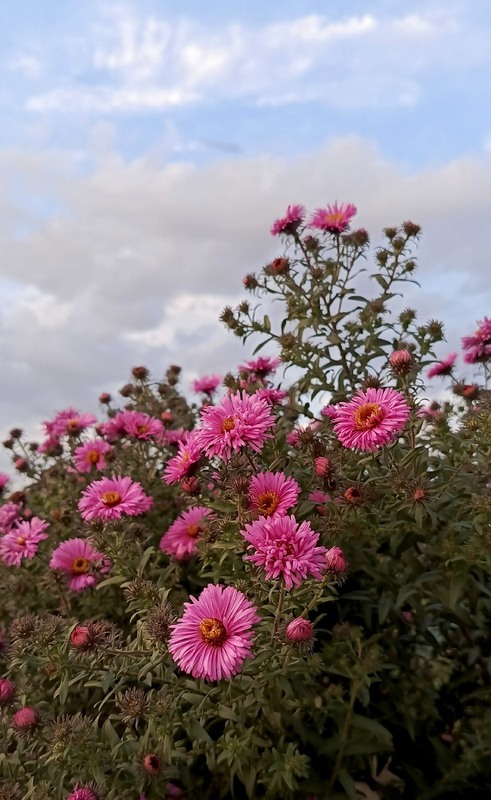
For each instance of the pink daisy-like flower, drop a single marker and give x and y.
(181, 465)
(371, 419)
(92, 455)
(443, 367)
(180, 541)
(68, 422)
(289, 223)
(214, 636)
(285, 548)
(207, 384)
(272, 493)
(22, 541)
(110, 498)
(82, 793)
(9, 513)
(272, 396)
(334, 219)
(238, 420)
(49, 445)
(82, 564)
(261, 367)
(175, 436)
(478, 345)
(140, 425)
(319, 498)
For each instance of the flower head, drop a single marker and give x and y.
(180, 541)
(110, 498)
(371, 419)
(238, 420)
(82, 793)
(272, 396)
(4, 479)
(300, 630)
(261, 367)
(272, 493)
(26, 719)
(22, 541)
(91, 455)
(289, 223)
(286, 549)
(82, 564)
(68, 422)
(214, 636)
(9, 513)
(181, 465)
(7, 691)
(401, 362)
(335, 560)
(443, 367)
(334, 219)
(139, 425)
(208, 384)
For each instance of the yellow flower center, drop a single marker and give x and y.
(228, 424)
(20, 540)
(334, 219)
(213, 631)
(267, 503)
(368, 416)
(93, 456)
(142, 428)
(80, 566)
(73, 425)
(111, 499)
(194, 530)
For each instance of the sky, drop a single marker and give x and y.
(146, 147)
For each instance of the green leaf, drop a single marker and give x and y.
(196, 731)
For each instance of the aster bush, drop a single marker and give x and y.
(278, 589)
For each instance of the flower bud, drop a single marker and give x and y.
(16, 433)
(167, 417)
(152, 765)
(401, 362)
(335, 559)
(7, 691)
(21, 464)
(105, 398)
(322, 466)
(26, 719)
(140, 373)
(250, 282)
(300, 630)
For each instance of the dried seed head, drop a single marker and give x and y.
(23, 628)
(133, 705)
(141, 589)
(156, 627)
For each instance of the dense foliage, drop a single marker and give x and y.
(332, 526)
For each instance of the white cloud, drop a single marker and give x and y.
(29, 66)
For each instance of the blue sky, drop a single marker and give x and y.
(145, 148)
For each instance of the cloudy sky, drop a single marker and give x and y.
(145, 148)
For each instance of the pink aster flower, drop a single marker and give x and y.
(4, 479)
(286, 549)
(261, 367)
(214, 636)
(371, 419)
(82, 793)
(22, 541)
(82, 564)
(175, 436)
(68, 422)
(319, 498)
(443, 367)
(289, 223)
(207, 385)
(7, 691)
(110, 498)
(139, 425)
(335, 560)
(272, 493)
(334, 219)
(92, 455)
(26, 719)
(181, 538)
(238, 420)
(478, 345)
(272, 396)
(181, 465)
(9, 513)
(49, 445)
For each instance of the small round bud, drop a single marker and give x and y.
(250, 282)
(167, 417)
(105, 398)
(80, 637)
(336, 561)
(411, 228)
(140, 373)
(7, 691)
(401, 362)
(26, 719)
(16, 433)
(300, 630)
(21, 464)
(322, 466)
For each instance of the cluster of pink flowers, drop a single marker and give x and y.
(285, 549)
(134, 424)
(214, 636)
(68, 422)
(332, 219)
(478, 346)
(110, 498)
(22, 541)
(370, 420)
(180, 541)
